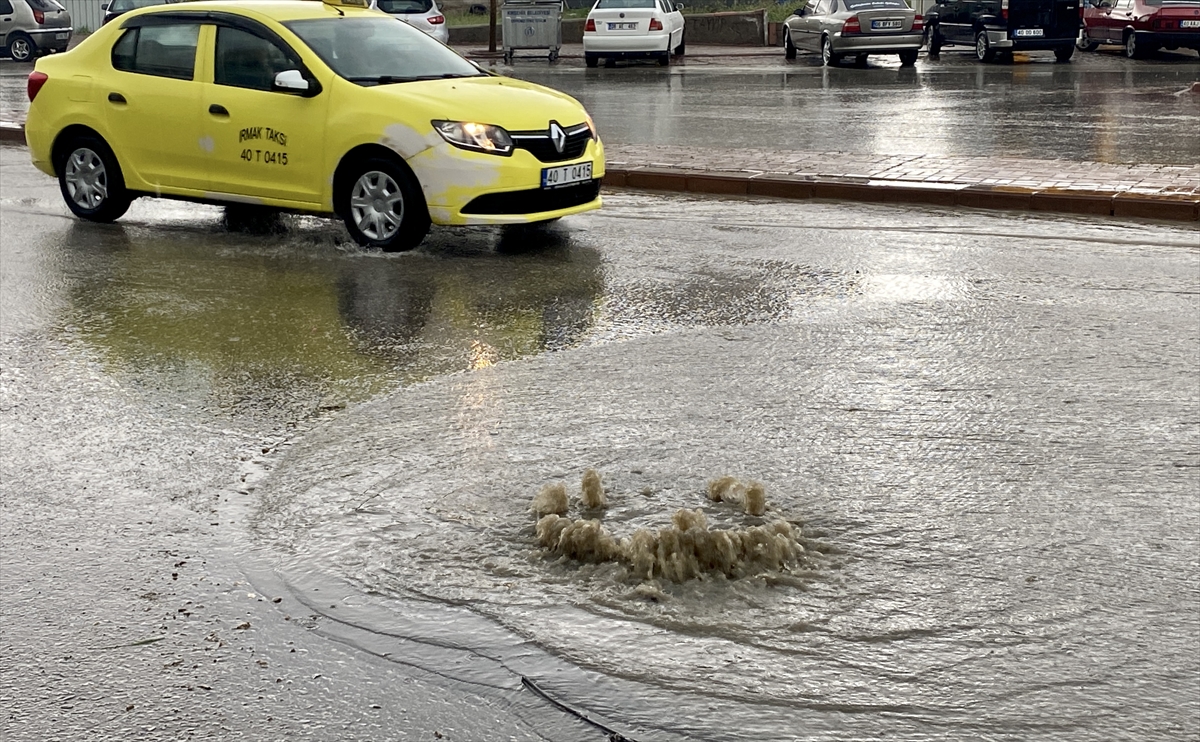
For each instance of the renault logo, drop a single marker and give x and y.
(558, 136)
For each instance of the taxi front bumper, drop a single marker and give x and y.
(463, 187)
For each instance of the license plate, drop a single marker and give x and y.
(1189, 24)
(886, 24)
(622, 27)
(557, 177)
(1028, 32)
(61, 36)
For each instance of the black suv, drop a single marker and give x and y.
(1004, 26)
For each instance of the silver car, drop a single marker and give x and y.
(842, 28)
(424, 14)
(32, 27)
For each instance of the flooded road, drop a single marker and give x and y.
(981, 427)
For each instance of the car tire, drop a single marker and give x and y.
(789, 49)
(983, 47)
(381, 204)
(1063, 53)
(90, 180)
(860, 60)
(21, 48)
(1084, 44)
(1133, 49)
(679, 50)
(663, 59)
(933, 41)
(828, 58)
(591, 60)
(908, 58)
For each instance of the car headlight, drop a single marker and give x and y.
(592, 125)
(477, 137)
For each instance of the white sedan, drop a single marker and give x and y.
(627, 29)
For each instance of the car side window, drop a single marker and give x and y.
(833, 7)
(245, 60)
(160, 50)
(5, 7)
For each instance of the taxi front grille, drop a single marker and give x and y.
(540, 145)
(535, 200)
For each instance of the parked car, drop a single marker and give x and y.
(32, 27)
(1141, 26)
(424, 14)
(114, 8)
(1004, 26)
(858, 28)
(352, 114)
(629, 29)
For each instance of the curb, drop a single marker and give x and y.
(1182, 207)
(1177, 207)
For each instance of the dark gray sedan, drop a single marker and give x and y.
(840, 28)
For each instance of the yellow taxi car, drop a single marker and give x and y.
(306, 106)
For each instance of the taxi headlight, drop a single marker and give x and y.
(478, 137)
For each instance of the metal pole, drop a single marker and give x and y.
(492, 26)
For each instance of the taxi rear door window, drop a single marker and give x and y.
(160, 50)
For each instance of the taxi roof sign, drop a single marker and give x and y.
(348, 3)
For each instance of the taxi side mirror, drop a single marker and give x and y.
(293, 81)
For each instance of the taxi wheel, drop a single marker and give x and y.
(90, 180)
(382, 206)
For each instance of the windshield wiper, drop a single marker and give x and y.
(392, 79)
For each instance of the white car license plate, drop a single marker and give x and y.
(1189, 24)
(886, 24)
(622, 27)
(1028, 32)
(557, 177)
(61, 36)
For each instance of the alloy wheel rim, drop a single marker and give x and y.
(980, 46)
(1131, 46)
(826, 51)
(20, 50)
(377, 205)
(86, 179)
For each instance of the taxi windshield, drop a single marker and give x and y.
(380, 51)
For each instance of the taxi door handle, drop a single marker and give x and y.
(217, 109)
(116, 98)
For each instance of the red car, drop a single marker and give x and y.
(1141, 26)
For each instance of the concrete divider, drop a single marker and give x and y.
(735, 28)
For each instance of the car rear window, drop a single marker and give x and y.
(124, 6)
(46, 6)
(405, 6)
(857, 5)
(606, 4)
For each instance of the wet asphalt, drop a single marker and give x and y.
(156, 371)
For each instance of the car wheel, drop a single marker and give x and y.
(21, 48)
(1063, 53)
(827, 56)
(591, 60)
(933, 40)
(983, 47)
(908, 58)
(679, 50)
(664, 59)
(381, 204)
(1133, 50)
(1084, 44)
(860, 60)
(90, 180)
(789, 49)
